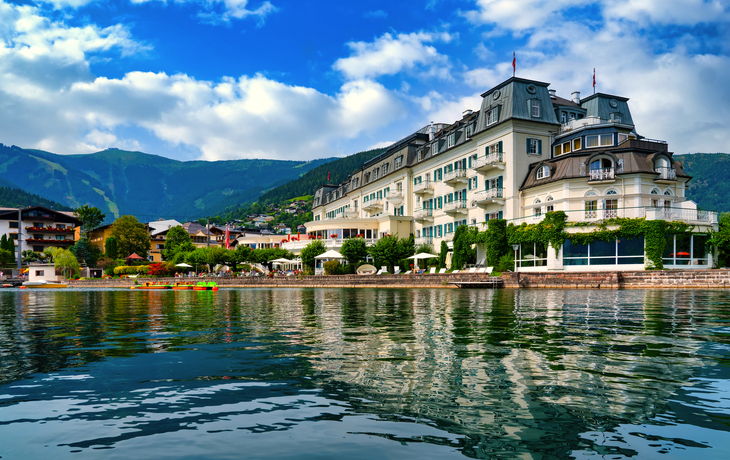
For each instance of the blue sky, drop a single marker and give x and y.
(227, 79)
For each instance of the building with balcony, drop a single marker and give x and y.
(39, 228)
(524, 153)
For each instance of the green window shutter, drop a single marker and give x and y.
(500, 214)
(476, 181)
(463, 163)
(469, 184)
(527, 149)
(470, 162)
(440, 205)
(415, 181)
(499, 146)
(499, 182)
(539, 146)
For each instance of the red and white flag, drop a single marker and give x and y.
(514, 63)
(228, 234)
(594, 80)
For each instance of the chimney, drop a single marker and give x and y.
(553, 94)
(466, 113)
(576, 96)
(431, 132)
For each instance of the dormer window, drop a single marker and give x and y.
(385, 168)
(398, 162)
(469, 130)
(492, 116)
(542, 172)
(367, 177)
(535, 108)
(451, 140)
(375, 173)
(563, 117)
(435, 147)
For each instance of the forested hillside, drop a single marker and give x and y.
(710, 184)
(147, 186)
(12, 197)
(303, 188)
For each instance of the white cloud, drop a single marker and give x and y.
(673, 91)
(390, 55)
(520, 15)
(677, 12)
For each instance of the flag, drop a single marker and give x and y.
(228, 234)
(328, 175)
(514, 63)
(594, 80)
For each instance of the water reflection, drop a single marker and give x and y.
(482, 373)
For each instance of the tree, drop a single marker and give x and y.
(66, 261)
(131, 236)
(310, 251)
(390, 250)
(110, 248)
(90, 217)
(464, 237)
(721, 240)
(50, 253)
(442, 254)
(8, 244)
(86, 252)
(176, 237)
(354, 250)
(5, 257)
(29, 256)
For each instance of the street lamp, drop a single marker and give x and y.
(516, 247)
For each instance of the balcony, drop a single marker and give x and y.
(455, 177)
(373, 206)
(396, 197)
(489, 162)
(50, 229)
(455, 207)
(329, 243)
(424, 240)
(351, 213)
(666, 175)
(489, 196)
(603, 175)
(423, 188)
(423, 215)
(587, 121)
(48, 241)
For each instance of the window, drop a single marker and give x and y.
(39, 273)
(13, 224)
(576, 144)
(601, 163)
(557, 150)
(367, 177)
(622, 137)
(534, 146)
(542, 172)
(375, 173)
(451, 140)
(591, 141)
(563, 117)
(398, 162)
(385, 168)
(469, 130)
(419, 155)
(591, 206)
(535, 108)
(62, 226)
(495, 148)
(549, 207)
(538, 209)
(566, 147)
(435, 148)
(60, 237)
(620, 252)
(606, 139)
(492, 116)
(616, 117)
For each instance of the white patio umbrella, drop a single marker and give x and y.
(184, 265)
(421, 255)
(331, 254)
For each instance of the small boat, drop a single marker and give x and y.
(42, 284)
(206, 286)
(152, 285)
(182, 286)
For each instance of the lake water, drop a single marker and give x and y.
(364, 373)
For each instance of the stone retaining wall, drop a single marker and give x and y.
(705, 279)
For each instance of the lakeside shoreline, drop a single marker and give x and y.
(665, 279)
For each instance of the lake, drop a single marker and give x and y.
(364, 373)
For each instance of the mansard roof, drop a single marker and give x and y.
(636, 156)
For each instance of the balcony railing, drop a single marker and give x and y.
(602, 174)
(423, 187)
(329, 243)
(423, 213)
(50, 229)
(587, 121)
(457, 175)
(690, 216)
(666, 173)
(373, 205)
(489, 194)
(396, 195)
(455, 206)
(424, 240)
(487, 160)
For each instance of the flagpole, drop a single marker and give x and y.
(594, 80)
(514, 64)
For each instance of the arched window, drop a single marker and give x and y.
(668, 193)
(538, 209)
(550, 207)
(549, 198)
(655, 192)
(542, 172)
(591, 193)
(601, 163)
(611, 192)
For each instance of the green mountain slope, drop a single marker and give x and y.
(710, 184)
(338, 170)
(147, 186)
(13, 197)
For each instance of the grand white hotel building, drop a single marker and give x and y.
(524, 153)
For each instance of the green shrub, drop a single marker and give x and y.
(330, 267)
(506, 263)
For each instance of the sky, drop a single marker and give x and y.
(301, 79)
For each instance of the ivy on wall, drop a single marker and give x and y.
(494, 239)
(551, 231)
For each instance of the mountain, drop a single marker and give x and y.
(710, 184)
(12, 197)
(301, 188)
(148, 186)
